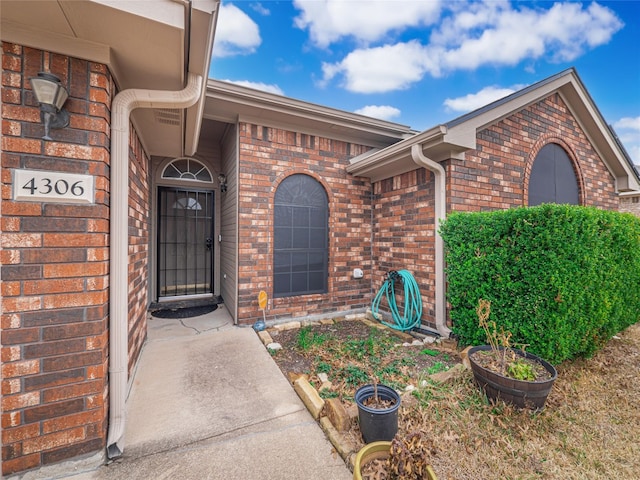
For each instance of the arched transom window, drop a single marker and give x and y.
(301, 237)
(553, 178)
(186, 168)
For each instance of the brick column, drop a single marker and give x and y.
(54, 268)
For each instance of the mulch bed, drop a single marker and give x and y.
(344, 349)
(292, 359)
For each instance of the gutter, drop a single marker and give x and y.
(122, 106)
(422, 160)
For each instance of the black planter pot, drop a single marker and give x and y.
(377, 424)
(521, 393)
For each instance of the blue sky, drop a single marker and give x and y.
(424, 62)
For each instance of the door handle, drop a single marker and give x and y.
(209, 243)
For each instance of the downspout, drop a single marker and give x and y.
(419, 158)
(122, 106)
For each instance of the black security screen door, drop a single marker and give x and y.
(185, 242)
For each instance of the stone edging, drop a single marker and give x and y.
(333, 417)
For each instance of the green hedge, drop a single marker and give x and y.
(563, 279)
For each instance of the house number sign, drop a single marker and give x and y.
(42, 186)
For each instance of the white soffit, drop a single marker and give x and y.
(143, 43)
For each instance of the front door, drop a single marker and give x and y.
(185, 242)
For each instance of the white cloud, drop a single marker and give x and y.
(261, 9)
(264, 87)
(479, 99)
(382, 69)
(628, 123)
(383, 112)
(498, 34)
(628, 131)
(472, 35)
(236, 33)
(329, 21)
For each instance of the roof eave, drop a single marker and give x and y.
(228, 102)
(145, 45)
(452, 139)
(397, 159)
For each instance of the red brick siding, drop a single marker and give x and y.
(139, 224)
(269, 155)
(630, 204)
(403, 233)
(496, 174)
(55, 267)
(55, 287)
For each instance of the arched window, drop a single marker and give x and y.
(301, 237)
(186, 168)
(553, 179)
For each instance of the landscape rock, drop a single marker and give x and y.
(464, 355)
(265, 337)
(448, 375)
(352, 411)
(293, 376)
(325, 386)
(274, 346)
(287, 326)
(309, 396)
(343, 445)
(337, 414)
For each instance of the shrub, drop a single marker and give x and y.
(562, 279)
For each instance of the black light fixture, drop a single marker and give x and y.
(51, 95)
(222, 181)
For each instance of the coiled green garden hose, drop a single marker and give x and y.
(412, 311)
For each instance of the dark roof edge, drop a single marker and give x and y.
(534, 86)
(514, 95)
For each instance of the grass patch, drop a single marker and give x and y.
(307, 338)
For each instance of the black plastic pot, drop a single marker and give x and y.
(377, 424)
(521, 393)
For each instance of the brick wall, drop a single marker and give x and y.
(139, 224)
(495, 175)
(55, 266)
(630, 204)
(54, 269)
(269, 155)
(403, 233)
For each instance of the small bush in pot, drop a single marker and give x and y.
(515, 376)
(377, 412)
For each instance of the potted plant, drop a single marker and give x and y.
(377, 412)
(403, 458)
(503, 372)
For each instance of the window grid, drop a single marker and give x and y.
(300, 237)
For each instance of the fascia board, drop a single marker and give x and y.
(463, 131)
(204, 21)
(274, 108)
(599, 135)
(396, 159)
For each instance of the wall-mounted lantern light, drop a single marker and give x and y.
(222, 181)
(51, 95)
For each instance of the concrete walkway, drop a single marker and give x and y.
(208, 402)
